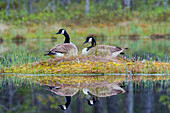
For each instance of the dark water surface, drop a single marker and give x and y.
(20, 96)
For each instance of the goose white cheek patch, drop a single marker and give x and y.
(85, 91)
(64, 106)
(62, 31)
(91, 102)
(90, 40)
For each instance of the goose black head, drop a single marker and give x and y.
(52, 87)
(65, 106)
(91, 102)
(90, 40)
(61, 31)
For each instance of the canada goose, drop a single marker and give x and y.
(105, 50)
(65, 106)
(67, 48)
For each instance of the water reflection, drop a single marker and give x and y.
(20, 95)
(91, 91)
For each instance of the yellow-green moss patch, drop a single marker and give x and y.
(89, 65)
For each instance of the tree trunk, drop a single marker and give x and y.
(165, 4)
(36, 1)
(112, 104)
(129, 98)
(98, 0)
(126, 3)
(98, 107)
(87, 4)
(64, 2)
(79, 105)
(29, 6)
(7, 8)
(68, 1)
(77, 1)
(147, 100)
(146, 2)
(53, 6)
(13, 6)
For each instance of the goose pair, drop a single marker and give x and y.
(69, 49)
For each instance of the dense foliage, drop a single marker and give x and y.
(82, 11)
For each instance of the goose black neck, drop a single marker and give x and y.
(88, 48)
(67, 38)
(68, 99)
(93, 43)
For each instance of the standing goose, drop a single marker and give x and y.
(104, 50)
(65, 49)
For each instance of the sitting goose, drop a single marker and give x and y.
(104, 50)
(65, 49)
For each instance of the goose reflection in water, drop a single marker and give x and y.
(64, 90)
(92, 91)
(95, 91)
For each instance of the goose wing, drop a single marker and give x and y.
(104, 89)
(115, 49)
(109, 48)
(63, 48)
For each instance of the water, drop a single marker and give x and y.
(19, 95)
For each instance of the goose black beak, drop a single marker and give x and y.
(60, 106)
(57, 33)
(85, 42)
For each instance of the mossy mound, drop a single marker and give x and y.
(79, 80)
(89, 65)
(84, 80)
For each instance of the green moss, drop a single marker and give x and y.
(88, 65)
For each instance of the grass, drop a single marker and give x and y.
(121, 29)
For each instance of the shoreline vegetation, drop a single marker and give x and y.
(89, 65)
(132, 30)
(103, 18)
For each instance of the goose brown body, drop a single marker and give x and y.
(65, 48)
(101, 50)
(104, 50)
